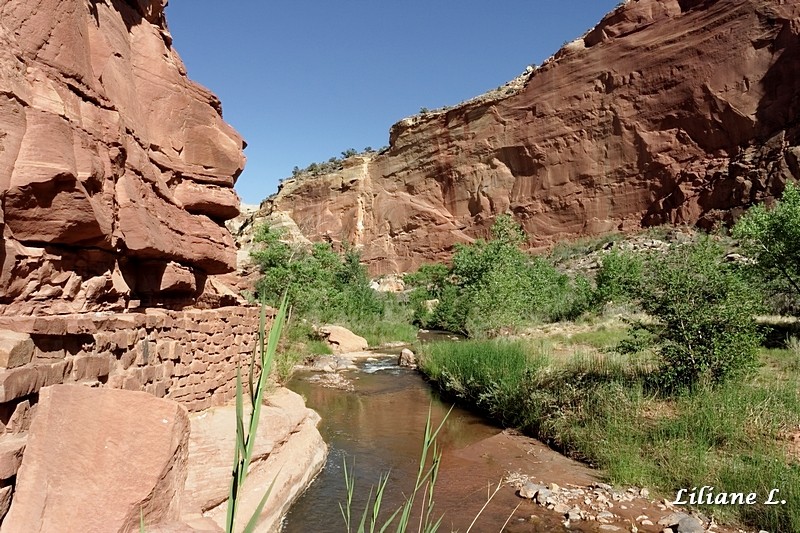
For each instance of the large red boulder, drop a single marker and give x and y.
(99, 459)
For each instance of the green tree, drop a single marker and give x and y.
(319, 282)
(494, 286)
(772, 238)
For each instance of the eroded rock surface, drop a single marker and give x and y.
(116, 171)
(289, 451)
(668, 111)
(100, 460)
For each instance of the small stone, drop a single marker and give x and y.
(644, 493)
(672, 519)
(530, 490)
(407, 359)
(543, 495)
(690, 524)
(561, 508)
(647, 522)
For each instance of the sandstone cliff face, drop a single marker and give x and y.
(116, 171)
(668, 111)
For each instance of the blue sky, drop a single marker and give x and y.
(303, 81)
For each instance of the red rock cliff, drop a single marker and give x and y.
(668, 111)
(116, 171)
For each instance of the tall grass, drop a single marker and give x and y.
(424, 487)
(247, 425)
(606, 411)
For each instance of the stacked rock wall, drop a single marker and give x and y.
(187, 356)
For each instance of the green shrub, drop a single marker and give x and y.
(320, 283)
(772, 238)
(619, 277)
(494, 287)
(704, 326)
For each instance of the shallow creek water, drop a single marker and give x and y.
(379, 427)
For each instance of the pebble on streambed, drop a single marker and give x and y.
(596, 503)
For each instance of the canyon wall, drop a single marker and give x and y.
(668, 111)
(116, 171)
(116, 179)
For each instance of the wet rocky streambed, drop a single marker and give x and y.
(375, 417)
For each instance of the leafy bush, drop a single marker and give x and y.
(325, 286)
(319, 282)
(494, 287)
(704, 327)
(619, 277)
(772, 238)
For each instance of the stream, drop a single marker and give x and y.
(379, 426)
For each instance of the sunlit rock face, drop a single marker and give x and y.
(668, 111)
(116, 171)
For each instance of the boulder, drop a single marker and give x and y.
(342, 340)
(288, 449)
(407, 359)
(97, 460)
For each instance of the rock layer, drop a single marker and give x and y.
(668, 111)
(114, 167)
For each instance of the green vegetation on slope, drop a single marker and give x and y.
(323, 286)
